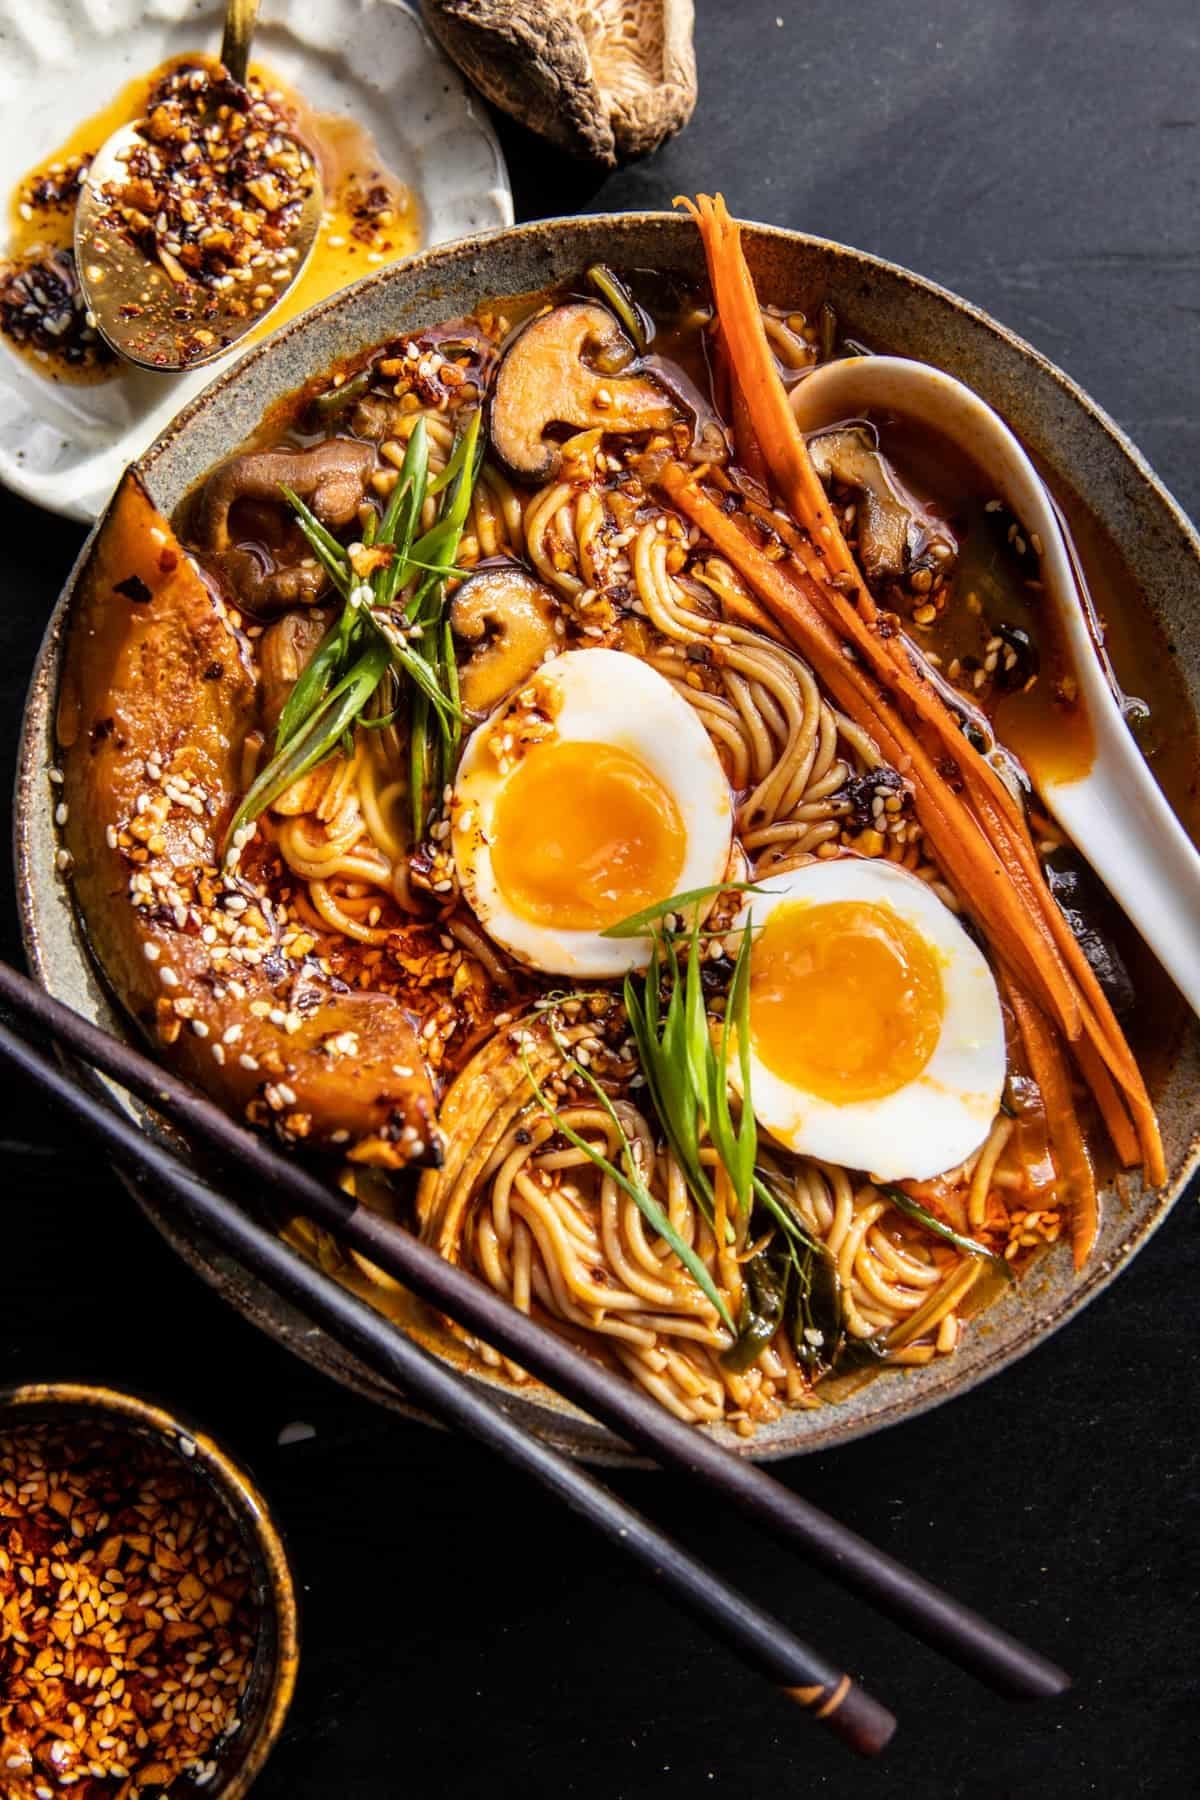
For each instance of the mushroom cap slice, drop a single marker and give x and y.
(608, 81)
(157, 698)
(332, 477)
(545, 381)
(508, 617)
(892, 525)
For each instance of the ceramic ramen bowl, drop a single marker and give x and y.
(876, 301)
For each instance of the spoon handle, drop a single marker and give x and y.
(241, 16)
(1116, 813)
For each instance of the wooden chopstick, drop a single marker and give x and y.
(824, 1691)
(919, 1605)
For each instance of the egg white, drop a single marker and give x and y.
(601, 697)
(933, 1122)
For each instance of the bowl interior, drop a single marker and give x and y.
(268, 1694)
(886, 306)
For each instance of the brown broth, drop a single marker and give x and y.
(1142, 660)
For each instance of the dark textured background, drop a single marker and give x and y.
(463, 1638)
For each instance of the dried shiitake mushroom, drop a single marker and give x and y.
(606, 79)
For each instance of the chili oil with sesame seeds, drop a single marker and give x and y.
(128, 1622)
(371, 218)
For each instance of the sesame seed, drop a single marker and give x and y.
(82, 1670)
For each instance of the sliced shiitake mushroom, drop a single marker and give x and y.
(892, 526)
(284, 652)
(544, 381)
(607, 82)
(277, 570)
(509, 618)
(332, 477)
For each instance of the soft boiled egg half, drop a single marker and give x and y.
(876, 1036)
(593, 793)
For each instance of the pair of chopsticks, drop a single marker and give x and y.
(249, 1164)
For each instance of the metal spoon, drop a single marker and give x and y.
(147, 317)
(1113, 810)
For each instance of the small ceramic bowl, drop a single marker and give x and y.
(268, 1695)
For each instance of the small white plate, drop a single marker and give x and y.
(64, 446)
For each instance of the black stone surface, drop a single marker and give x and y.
(462, 1638)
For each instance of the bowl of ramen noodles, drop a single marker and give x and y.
(493, 749)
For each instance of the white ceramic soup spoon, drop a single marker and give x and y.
(1110, 806)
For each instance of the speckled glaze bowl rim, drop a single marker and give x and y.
(553, 1418)
(246, 1504)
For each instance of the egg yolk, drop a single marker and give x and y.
(585, 834)
(846, 999)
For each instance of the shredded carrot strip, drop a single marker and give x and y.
(746, 609)
(1112, 1110)
(746, 446)
(1102, 1051)
(755, 373)
(749, 451)
(972, 820)
(1049, 1069)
